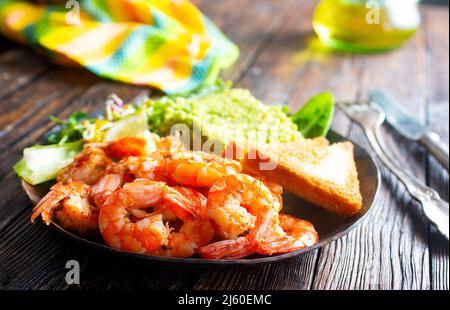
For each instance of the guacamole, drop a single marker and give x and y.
(228, 115)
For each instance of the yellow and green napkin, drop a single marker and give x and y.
(167, 44)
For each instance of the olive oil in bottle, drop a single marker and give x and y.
(366, 25)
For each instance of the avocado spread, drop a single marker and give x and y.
(228, 115)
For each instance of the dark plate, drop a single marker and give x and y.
(329, 226)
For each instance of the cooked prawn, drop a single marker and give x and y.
(129, 146)
(234, 204)
(170, 145)
(292, 234)
(199, 169)
(228, 249)
(146, 234)
(193, 233)
(246, 245)
(296, 234)
(275, 188)
(150, 167)
(87, 167)
(69, 203)
(104, 188)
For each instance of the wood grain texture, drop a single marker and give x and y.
(390, 250)
(437, 111)
(29, 107)
(281, 63)
(17, 68)
(249, 29)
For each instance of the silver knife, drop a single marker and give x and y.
(409, 127)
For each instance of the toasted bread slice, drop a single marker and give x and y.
(313, 169)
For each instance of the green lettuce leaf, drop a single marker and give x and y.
(69, 130)
(315, 117)
(41, 163)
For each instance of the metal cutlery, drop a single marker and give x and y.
(370, 117)
(410, 128)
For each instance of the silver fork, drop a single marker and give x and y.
(370, 118)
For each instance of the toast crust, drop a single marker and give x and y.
(313, 169)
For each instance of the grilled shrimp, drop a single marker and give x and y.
(234, 204)
(87, 167)
(295, 234)
(95, 159)
(247, 244)
(228, 249)
(243, 212)
(123, 230)
(193, 233)
(69, 203)
(170, 145)
(199, 169)
(130, 146)
(150, 167)
(275, 235)
(105, 187)
(275, 188)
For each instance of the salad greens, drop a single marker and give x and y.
(315, 118)
(41, 163)
(225, 112)
(70, 130)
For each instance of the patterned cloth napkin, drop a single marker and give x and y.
(167, 44)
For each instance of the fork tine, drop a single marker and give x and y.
(352, 103)
(362, 112)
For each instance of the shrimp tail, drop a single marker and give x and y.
(231, 249)
(47, 205)
(284, 245)
(183, 207)
(298, 234)
(105, 187)
(279, 245)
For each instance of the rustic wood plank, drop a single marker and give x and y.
(17, 68)
(274, 73)
(24, 110)
(34, 257)
(251, 27)
(220, 12)
(294, 274)
(258, 25)
(436, 22)
(390, 249)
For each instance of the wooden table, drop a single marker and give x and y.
(395, 248)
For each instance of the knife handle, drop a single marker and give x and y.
(436, 147)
